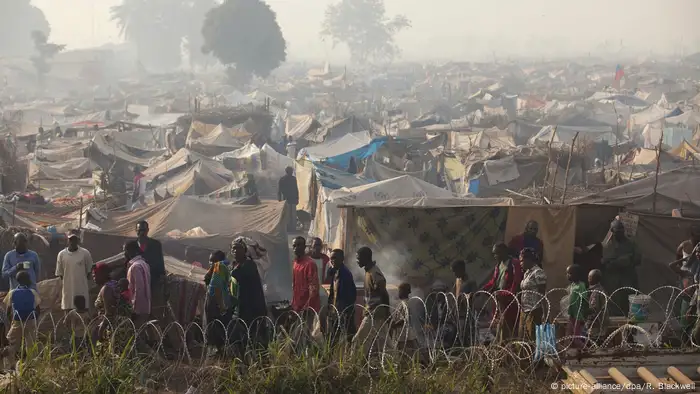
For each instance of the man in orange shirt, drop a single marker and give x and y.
(305, 283)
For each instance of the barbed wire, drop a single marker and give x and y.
(382, 344)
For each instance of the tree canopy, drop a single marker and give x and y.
(45, 51)
(18, 19)
(244, 35)
(158, 29)
(362, 25)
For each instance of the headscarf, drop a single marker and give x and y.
(254, 252)
(253, 249)
(530, 254)
(100, 269)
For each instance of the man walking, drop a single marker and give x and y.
(373, 328)
(305, 283)
(289, 192)
(74, 267)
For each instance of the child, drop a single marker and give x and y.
(24, 305)
(401, 325)
(124, 304)
(78, 319)
(597, 320)
(578, 304)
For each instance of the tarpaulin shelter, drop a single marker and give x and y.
(60, 151)
(79, 167)
(212, 140)
(417, 239)
(676, 189)
(265, 223)
(182, 159)
(325, 223)
(200, 179)
(337, 153)
(483, 139)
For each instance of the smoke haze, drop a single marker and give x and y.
(452, 29)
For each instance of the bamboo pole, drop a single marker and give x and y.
(554, 180)
(568, 167)
(549, 160)
(656, 175)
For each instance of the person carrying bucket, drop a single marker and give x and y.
(620, 260)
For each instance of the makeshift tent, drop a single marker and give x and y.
(418, 244)
(676, 189)
(106, 146)
(652, 114)
(338, 129)
(181, 160)
(484, 139)
(337, 153)
(157, 120)
(75, 168)
(379, 172)
(687, 151)
(246, 158)
(60, 151)
(299, 125)
(564, 135)
(215, 139)
(198, 180)
(325, 223)
(265, 223)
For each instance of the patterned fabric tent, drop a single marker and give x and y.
(419, 244)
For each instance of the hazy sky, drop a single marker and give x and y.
(458, 29)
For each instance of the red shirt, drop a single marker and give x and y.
(305, 285)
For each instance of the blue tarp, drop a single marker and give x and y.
(343, 160)
(335, 179)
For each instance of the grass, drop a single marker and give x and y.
(281, 369)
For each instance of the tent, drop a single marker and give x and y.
(265, 223)
(200, 179)
(484, 139)
(70, 169)
(675, 189)
(216, 139)
(183, 159)
(325, 223)
(337, 153)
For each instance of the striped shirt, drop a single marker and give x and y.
(139, 277)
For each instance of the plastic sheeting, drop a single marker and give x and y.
(419, 244)
(327, 216)
(676, 189)
(182, 159)
(70, 169)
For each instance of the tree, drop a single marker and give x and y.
(194, 41)
(18, 18)
(363, 26)
(45, 51)
(155, 27)
(244, 35)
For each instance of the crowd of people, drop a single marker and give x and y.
(235, 308)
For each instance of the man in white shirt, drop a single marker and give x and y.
(74, 266)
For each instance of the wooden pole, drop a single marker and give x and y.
(554, 180)
(549, 160)
(568, 166)
(80, 219)
(656, 175)
(14, 210)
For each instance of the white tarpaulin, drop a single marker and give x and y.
(347, 143)
(327, 216)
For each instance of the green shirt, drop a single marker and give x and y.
(578, 302)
